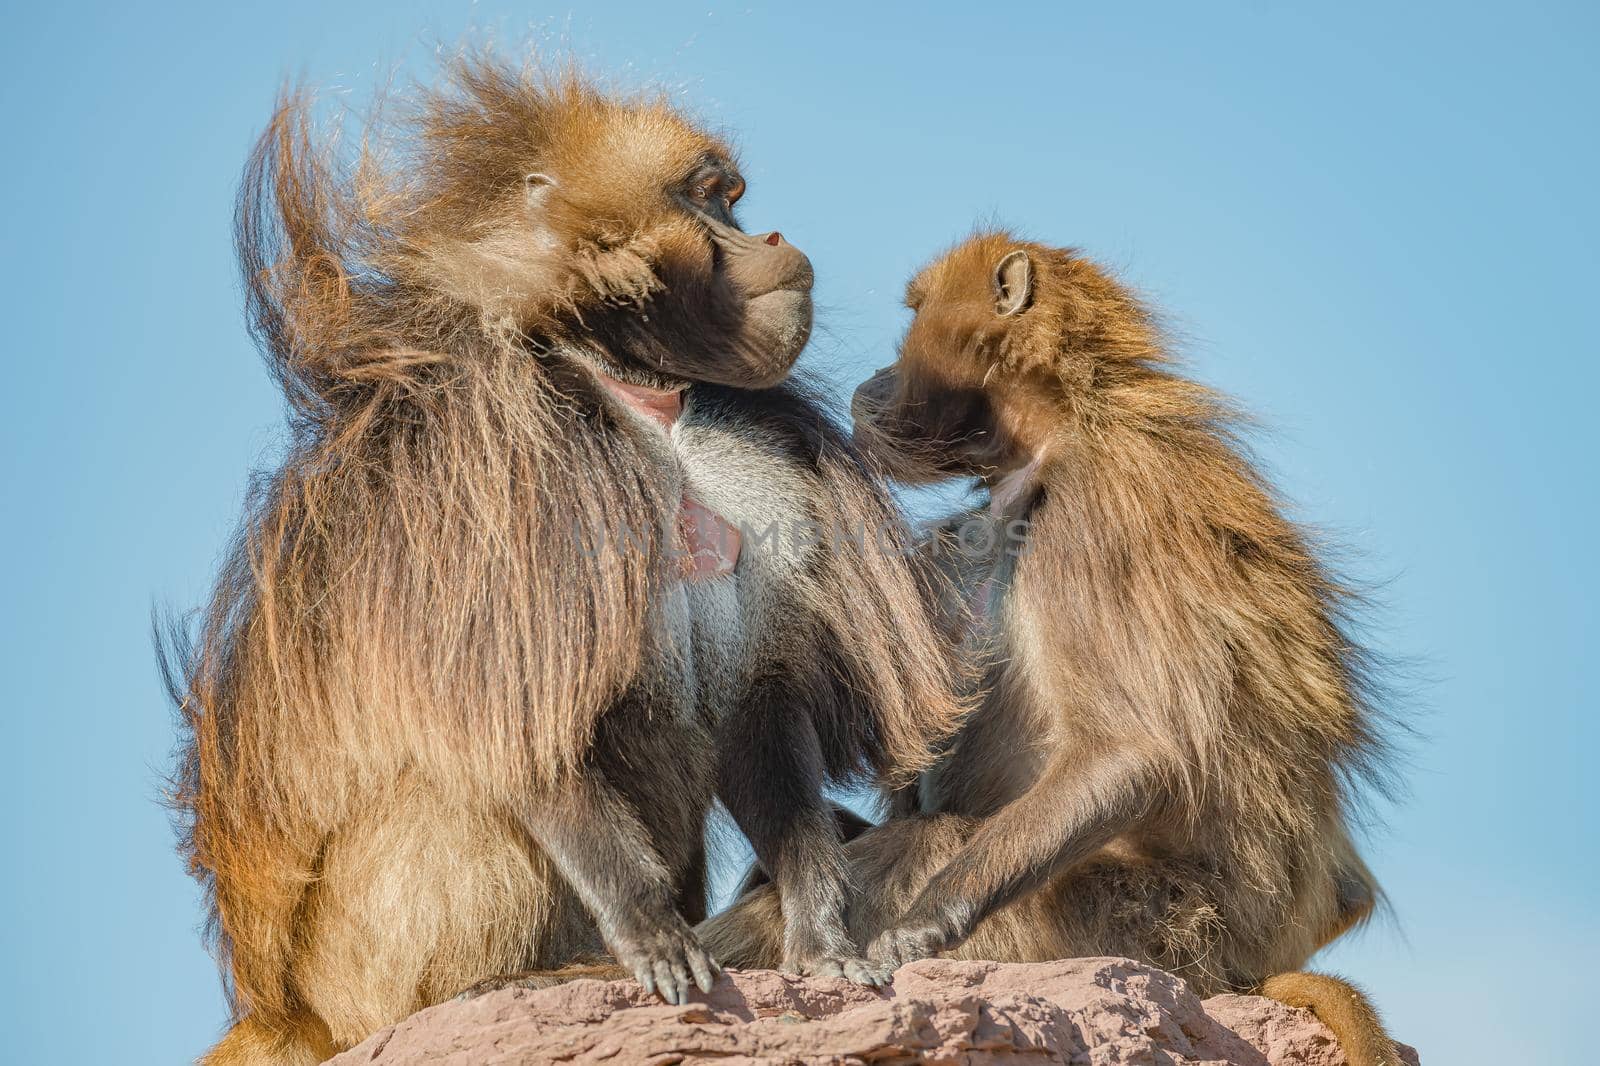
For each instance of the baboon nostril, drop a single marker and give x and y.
(774, 238)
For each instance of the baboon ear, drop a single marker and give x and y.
(537, 186)
(1013, 283)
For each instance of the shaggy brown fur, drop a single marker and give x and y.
(431, 736)
(1174, 710)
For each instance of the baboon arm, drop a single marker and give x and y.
(851, 825)
(770, 775)
(602, 849)
(1075, 807)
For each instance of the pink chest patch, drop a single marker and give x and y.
(709, 543)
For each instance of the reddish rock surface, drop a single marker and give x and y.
(1097, 1012)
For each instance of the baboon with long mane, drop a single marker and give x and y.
(1174, 710)
(485, 644)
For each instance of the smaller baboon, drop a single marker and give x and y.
(1174, 711)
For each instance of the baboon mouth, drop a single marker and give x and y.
(783, 316)
(801, 281)
(794, 301)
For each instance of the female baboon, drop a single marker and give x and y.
(1173, 708)
(485, 643)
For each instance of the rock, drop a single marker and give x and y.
(1097, 1012)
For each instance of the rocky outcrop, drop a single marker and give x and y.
(1091, 1011)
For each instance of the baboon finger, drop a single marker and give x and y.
(667, 984)
(646, 979)
(680, 975)
(706, 970)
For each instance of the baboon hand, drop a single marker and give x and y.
(822, 948)
(668, 961)
(909, 941)
(851, 967)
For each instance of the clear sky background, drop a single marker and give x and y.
(1375, 224)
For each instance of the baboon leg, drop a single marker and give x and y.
(892, 863)
(1343, 1008)
(770, 775)
(604, 851)
(419, 898)
(669, 811)
(889, 864)
(851, 825)
(1073, 809)
(253, 1042)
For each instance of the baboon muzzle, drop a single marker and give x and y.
(775, 279)
(765, 262)
(760, 263)
(872, 395)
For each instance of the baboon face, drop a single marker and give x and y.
(613, 219)
(939, 411)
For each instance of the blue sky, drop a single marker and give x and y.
(1374, 224)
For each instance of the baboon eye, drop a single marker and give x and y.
(716, 186)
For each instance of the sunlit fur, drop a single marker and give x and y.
(1177, 717)
(407, 644)
(1187, 583)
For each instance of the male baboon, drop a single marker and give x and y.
(455, 709)
(1173, 707)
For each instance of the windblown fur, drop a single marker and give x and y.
(408, 648)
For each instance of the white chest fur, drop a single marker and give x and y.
(758, 491)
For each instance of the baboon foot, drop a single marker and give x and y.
(893, 948)
(852, 968)
(670, 962)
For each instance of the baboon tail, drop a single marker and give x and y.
(253, 1042)
(1343, 1008)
